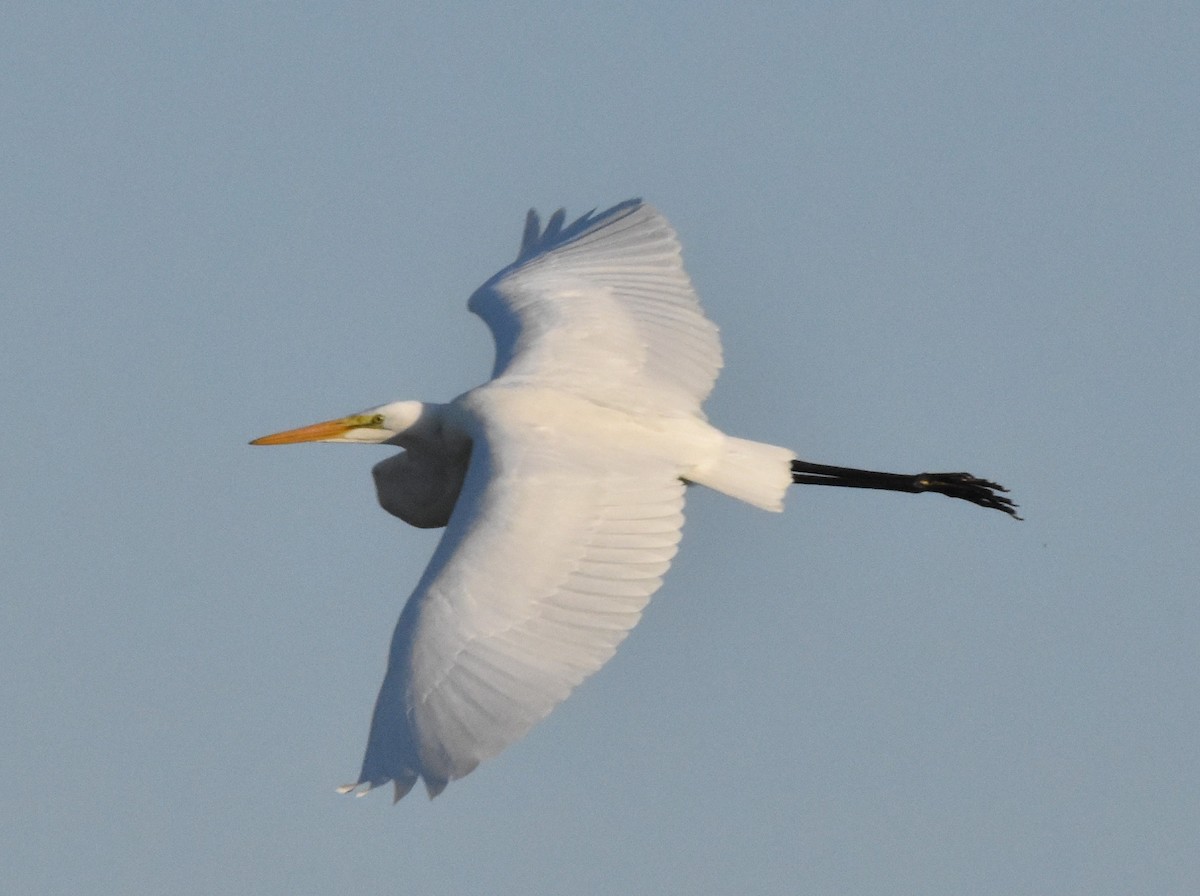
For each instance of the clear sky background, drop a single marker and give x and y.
(935, 236)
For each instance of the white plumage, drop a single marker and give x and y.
(603, 310)
(561, 485)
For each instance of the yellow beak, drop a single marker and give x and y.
(330, 429)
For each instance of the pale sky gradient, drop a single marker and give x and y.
(935, 236)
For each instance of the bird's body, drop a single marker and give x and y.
(561, 485)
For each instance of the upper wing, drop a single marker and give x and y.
(603, 309)
(550, 555)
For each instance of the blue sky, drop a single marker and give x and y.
(935, 236)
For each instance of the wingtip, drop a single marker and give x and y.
(555, 224)
(400, 789)
(535, 238)
(533, 227)
(366, 787)
(434, 786)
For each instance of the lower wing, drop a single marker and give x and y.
(550, 556)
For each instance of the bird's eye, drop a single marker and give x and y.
(376, 420)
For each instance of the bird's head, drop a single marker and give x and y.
(375, 425)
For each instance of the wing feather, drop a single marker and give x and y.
(602, 308)
(549, 558)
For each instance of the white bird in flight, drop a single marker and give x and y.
(561, 484)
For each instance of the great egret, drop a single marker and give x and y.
(560, 483)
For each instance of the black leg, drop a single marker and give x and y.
(956, 485)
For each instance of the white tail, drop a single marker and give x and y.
(753, 472)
